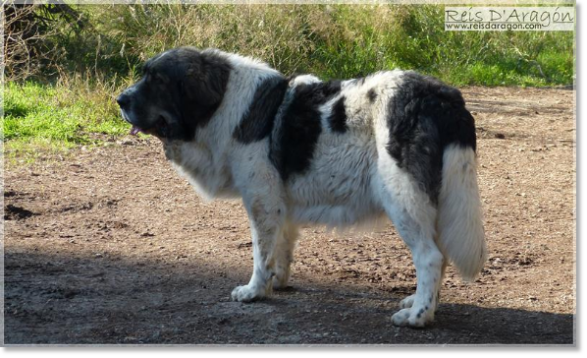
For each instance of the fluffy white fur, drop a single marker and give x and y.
(462, 237)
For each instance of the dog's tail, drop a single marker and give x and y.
(460, 218)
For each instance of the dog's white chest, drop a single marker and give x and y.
(195, 163)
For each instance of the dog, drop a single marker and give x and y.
(299, 150)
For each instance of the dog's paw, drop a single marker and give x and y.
(247, 293)
(407, 302)
(415, 317)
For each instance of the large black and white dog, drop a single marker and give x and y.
(299, 150)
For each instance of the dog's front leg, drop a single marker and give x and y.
(266, 215)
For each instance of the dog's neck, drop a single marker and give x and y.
(245, 77)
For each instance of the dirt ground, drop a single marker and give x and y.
(109, 245)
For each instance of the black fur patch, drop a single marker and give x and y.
(293, 144)
(337, 118)
(203, 87)
(372, 95)
(257, 123)
(425, 116)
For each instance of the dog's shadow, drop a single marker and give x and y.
(369, 312)
(61, 299)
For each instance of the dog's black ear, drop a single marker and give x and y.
(206, 77)
(203, 82)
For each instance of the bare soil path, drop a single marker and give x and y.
(109, 245)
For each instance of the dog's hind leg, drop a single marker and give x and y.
(418, 310)
(414, 216)
(266, 213)
(283, 255)
(409, 301)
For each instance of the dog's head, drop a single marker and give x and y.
(179, 91)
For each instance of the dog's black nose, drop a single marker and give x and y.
(123, 100)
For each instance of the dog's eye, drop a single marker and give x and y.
(156, 77)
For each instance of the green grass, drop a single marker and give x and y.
(52, 118)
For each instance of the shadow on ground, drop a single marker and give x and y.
(71, 299)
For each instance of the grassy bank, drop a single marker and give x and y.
(54, 118)
(70, 102)
(331, 41)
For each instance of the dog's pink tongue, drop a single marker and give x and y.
(134, 130)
